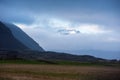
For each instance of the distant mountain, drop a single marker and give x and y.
(13, 38)
(107, 54)
(48, 56)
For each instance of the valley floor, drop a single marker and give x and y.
(57, 72)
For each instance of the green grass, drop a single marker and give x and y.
(76, 63)
(21, 62)
(88, 63)
(58, 63)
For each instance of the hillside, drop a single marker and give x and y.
(13, 38)
(49, 56)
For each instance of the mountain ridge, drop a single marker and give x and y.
(26, 42)
(7, 39)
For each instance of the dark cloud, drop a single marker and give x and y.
(74, 10)
(68, 32)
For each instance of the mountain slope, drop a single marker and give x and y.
(13, 38)
(7, 40)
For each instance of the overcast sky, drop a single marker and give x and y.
(68, 25)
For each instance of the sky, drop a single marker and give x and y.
(83, 27)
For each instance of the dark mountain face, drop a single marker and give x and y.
(9, 42)
(3, 29)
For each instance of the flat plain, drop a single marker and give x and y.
(57, 72)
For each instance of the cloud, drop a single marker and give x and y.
(92, 29)
(54, 25)
(68, 31)
(113, 39)
(50, 33)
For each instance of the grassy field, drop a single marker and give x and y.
(17, 70)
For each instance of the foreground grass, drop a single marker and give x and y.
(32, 70)
(21, 62)
(68, 63)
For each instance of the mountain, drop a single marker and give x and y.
(48, 56)
(13, 38)
(108, 54)
(16, 44)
